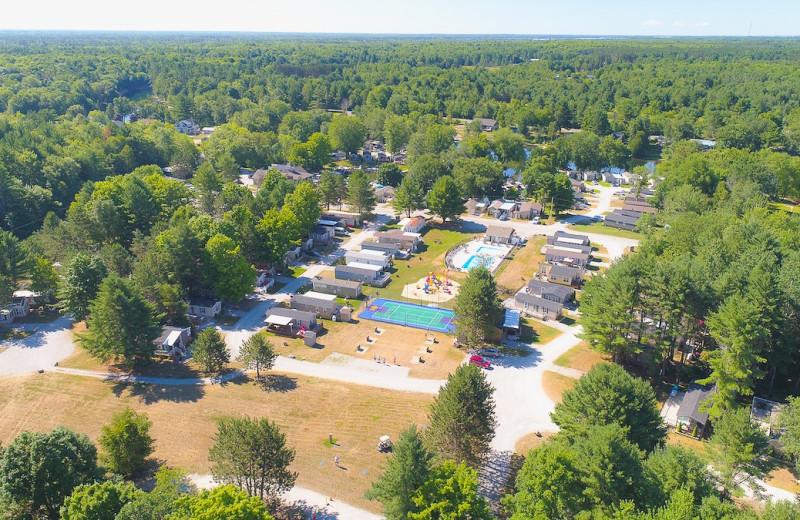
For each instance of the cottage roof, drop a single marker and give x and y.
(168, 333)
(203, 302)
(416, 221)
(570, 237)
(349, 284)
(531, 299)
(486, 122)
(690, 404)
(291, 313)
(511, 319)
(566, 271)
(359, 266)
(499, 231)
(558, 251)
(541, 287)
(621, 218)
(305, 299)
(291, 171)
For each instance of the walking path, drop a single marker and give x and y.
(309, 502)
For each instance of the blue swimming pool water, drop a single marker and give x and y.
(476, 261)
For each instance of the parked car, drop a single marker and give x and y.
(536, 220)
(340, 231)
(477, 360)
(491, 352)
(597, 218)
(314, 254)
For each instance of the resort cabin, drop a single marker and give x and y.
(365, 273)
(384, 193)
(290, 322)
(390, 249)
(341, 288)
(368, 256)
(477, 207)
(344, 218)
(617, 219)
(500, 235)
(322, 235)
(205, 307)
(561, 274)
(173, 342)
(565, 257)
(573, 248)
(551, 291)
(291, 172)
(18, 307)
(322, 305)
(412, 225)
(511, 323)
(403, 239)
(567, 239)
(537, 307)
(527, 210)
(487, 125)
(690, 420)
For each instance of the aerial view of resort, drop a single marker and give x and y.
(425, 261)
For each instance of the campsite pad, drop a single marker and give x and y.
(410, 315)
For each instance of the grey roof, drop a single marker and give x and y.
(620, 218)
(574, 236)
(690, 404)
(290, 170)
(302, 299)
(382, 246)
(486, 121)
(554, 251)
(538, 286)
(530, 299)
(498, 231)
(167, 331)
(258, 176)
(203, 302)
(564, 270)
(292, 313)
(350, 284)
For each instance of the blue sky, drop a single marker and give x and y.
(579, 17)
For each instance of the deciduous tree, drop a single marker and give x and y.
(222, 503)
(100, 500)
(82, 277)
(445, 199)
(229, 272)
(451, 493)
(409, 196)
(126, 442)
(360, 196)
(735, 448)
(347, 133)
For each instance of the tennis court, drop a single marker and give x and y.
(410, 315)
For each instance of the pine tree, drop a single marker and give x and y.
(360, 196)
(406, 470)
(122, 324)
(477, 309)
(462, 417)
(257, 352)
(209, 350)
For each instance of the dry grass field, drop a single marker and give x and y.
(530, 442)
(184, 420)
(555, 385)
(581, 357)
(517, 272)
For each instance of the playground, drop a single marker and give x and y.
(434, 288)
(410, 315)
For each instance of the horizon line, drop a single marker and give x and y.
(399, 34)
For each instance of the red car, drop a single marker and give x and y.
(477, 360)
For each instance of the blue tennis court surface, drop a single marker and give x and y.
(410, 314)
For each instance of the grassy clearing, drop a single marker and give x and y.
(517, 272)
(226, 320)
(396, 343)
(600, 229)
(533, 331)
(581, 357)
(791, 208)
(555, 385)
(185, 418)
(784, 477)
(437, 241)
(531, 442)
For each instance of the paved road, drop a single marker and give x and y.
(51, 343)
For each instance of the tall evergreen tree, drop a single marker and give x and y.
(122, 324)
(462, 417)
(360, 196)
(209, 350)
(478, 310)
(83, 275)
(257, 352)
(407, 469)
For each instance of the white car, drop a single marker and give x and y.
(490, 352)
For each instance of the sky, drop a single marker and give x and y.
(536, 17)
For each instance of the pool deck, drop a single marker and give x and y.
(469, 255)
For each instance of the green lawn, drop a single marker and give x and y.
(600, 229)
(791, 208)
(533, 331)
(430, 258)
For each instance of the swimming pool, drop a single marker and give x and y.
(477, 261)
